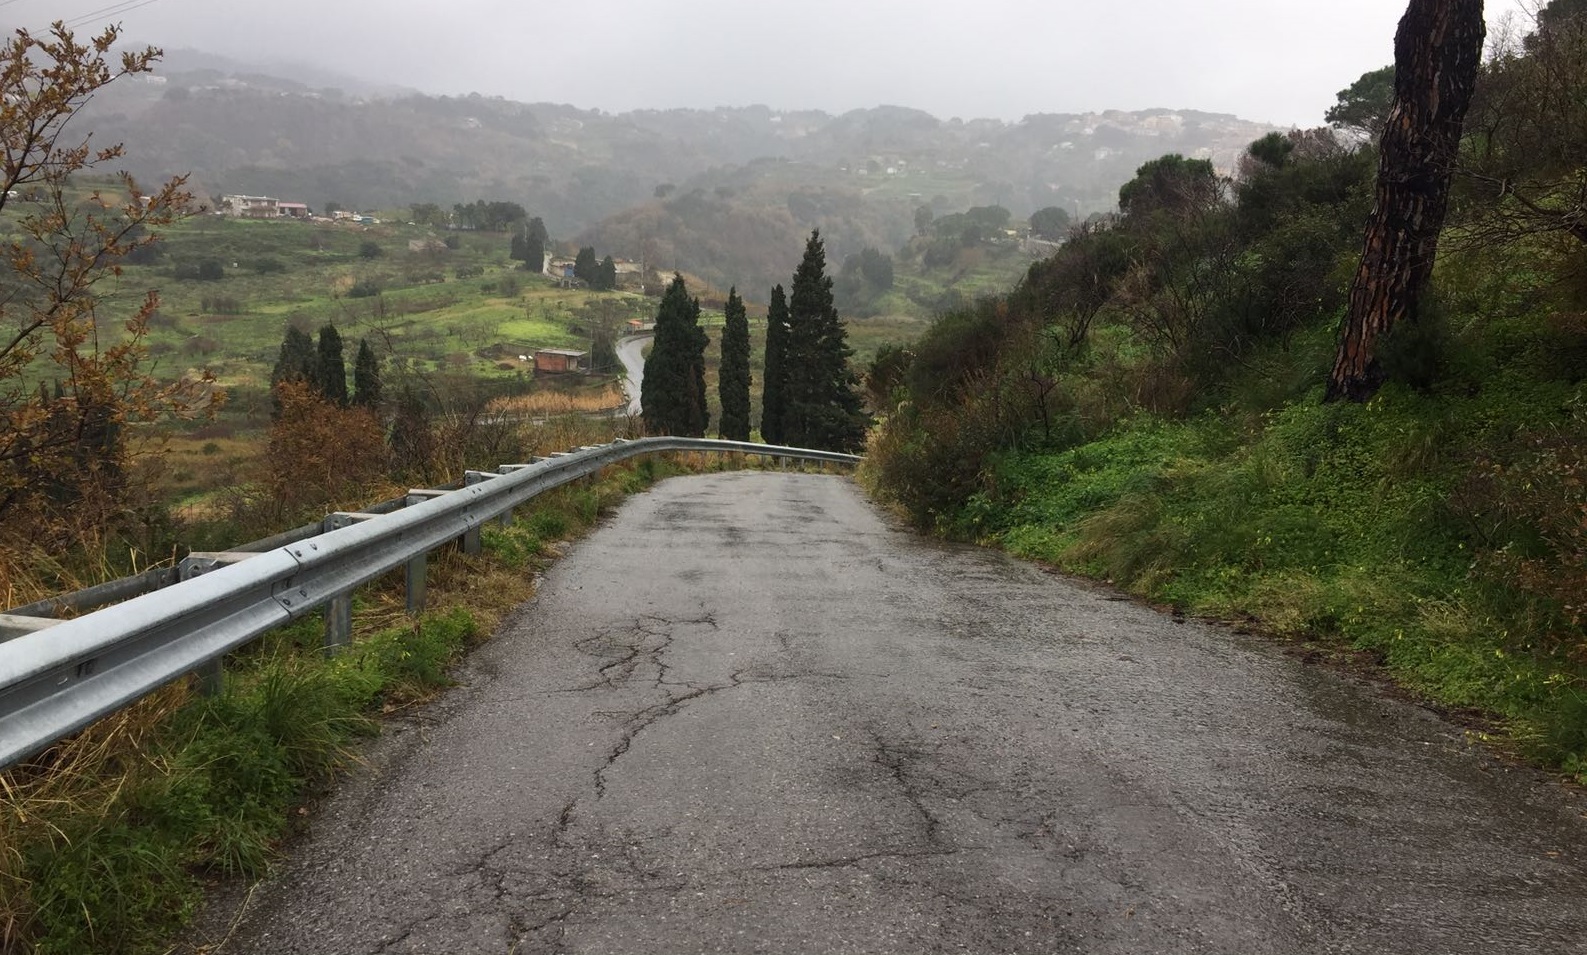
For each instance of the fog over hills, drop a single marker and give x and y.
(711, 190)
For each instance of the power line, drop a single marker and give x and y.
(115, 9)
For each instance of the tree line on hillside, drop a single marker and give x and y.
(808, 396)
(321, 366)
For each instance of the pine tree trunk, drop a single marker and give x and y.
(1436, 54)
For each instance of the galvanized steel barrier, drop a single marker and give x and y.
(60, 675)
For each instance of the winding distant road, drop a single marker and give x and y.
(630, 351)
(750, 715)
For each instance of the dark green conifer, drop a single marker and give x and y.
(733, 379)
(535, 240)
(822, 407)
(366, 377)
(774, 385)
(586, 267)
(672, 394)
(295, 363)
(330, 371)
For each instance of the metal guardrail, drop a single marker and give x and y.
(42, 613)
(67, 673)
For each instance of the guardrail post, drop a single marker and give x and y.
(212, 675)
(508, 515)
(339, 609)
(471, 478)
(415, 580)
(338, 623)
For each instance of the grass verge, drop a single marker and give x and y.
(108, 839)
(1344, 527)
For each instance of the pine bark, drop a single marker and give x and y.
(1437, 51)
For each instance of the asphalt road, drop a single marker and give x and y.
(751, 715)
(630, 351)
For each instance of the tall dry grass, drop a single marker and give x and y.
(546, 404)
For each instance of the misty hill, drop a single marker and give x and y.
(724, 192)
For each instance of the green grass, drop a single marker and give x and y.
(108, 848)
(1325, 522)
(423, 313)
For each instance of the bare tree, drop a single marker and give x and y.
(1527, 132)
(72, 380)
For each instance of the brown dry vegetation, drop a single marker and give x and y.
(545, 404)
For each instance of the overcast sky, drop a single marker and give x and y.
(1278, 61)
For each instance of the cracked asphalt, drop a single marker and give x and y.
(751, 714)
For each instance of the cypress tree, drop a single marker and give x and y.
(773, 405)
(534, 254)
(606, 275)
(366, 377)
(295, 363)
(535, 239)
(672, 393)
(733, 377)
(330, 371)
(822, 407)
(586, 267)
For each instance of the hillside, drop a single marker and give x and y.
(765, 177)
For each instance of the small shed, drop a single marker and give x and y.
(557, 360)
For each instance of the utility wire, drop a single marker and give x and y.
(125, 6)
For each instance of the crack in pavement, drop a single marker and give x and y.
(843, 862)
(895, 760)
(633, 649)
(648, 717)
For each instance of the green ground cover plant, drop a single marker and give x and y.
(1146, 408)
(110, 838)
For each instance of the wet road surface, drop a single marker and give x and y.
(751, 715)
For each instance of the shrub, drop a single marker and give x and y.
(321, 453)
(222, 305)
(210, 270)
(370, 249)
